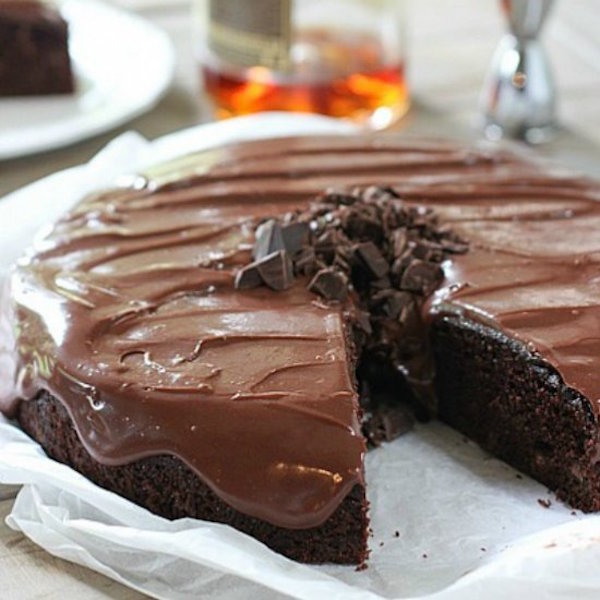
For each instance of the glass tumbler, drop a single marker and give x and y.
(341, 58)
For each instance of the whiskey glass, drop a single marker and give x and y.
(341, 58)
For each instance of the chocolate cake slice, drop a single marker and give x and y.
(34, 52)
(157, 355)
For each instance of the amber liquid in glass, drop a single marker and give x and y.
(334, 75)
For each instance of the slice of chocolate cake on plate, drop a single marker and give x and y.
(34, 49)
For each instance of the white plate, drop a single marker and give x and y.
(123, 65)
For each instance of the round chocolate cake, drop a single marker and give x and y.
(215, 342)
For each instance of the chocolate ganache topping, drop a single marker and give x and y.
(126, 311)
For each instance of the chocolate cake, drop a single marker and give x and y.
(34, 53)
(172, 346)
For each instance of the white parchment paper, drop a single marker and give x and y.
(448, 521)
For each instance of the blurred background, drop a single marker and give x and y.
(448, 49)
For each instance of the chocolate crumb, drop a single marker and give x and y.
(544, 502)
(396, 533)
(424, 555)
(483, 549)
(380, 544)
(519, 476)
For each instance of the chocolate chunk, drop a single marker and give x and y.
(399, 241)
(380, 296)
(393, 218)
(397, 305)
(342, 263)
(398, 267)
(383, 283)
(276, 270)
(364, 392)
(269, 239)
(362, 320)
(387, 423)
(305, 261)
(317, 225)
(247, 277)
(344, 249)
(325, 246)
(377, 194)
(372, 260)
(362, 224)
(421, 277)
(340, 197)
(454, 246)
(428, 251)
(330, 283)
(294, 236)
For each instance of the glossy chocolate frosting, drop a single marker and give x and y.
(126, 310)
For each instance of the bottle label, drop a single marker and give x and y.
(253, 33)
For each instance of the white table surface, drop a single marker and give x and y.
(450, 45)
